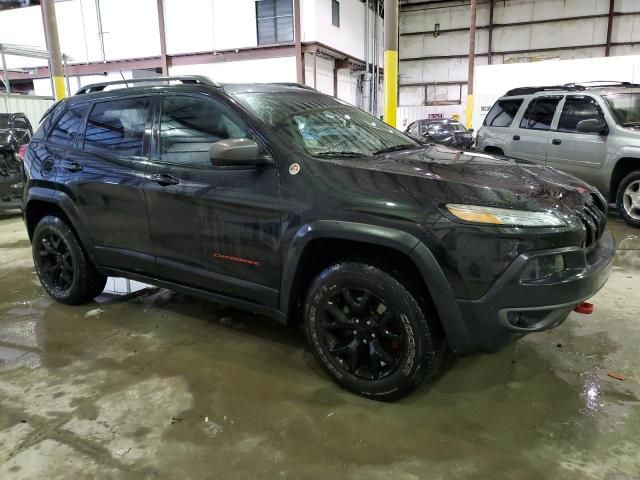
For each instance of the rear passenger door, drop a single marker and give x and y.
(497, 128)
(531, 137)
(580, 154)
(104, 175)
(214, 228)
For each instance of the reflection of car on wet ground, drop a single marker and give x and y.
(589, 130)
(15, 132)
(287, 202)
(445, 132)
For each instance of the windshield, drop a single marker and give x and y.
(324, 126)
(625, 107)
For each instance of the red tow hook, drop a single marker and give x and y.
(584, 307)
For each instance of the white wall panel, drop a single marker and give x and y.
(281, 69)
(33, 107)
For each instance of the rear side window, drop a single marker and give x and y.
(539, 113)
(578, 108)
(188, 127)
(66, 128)
(118, 126)
(502, 113)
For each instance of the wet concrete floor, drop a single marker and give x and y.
(160, 385)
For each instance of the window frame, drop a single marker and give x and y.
(156, 156)
(275, 18)
(574, 132)
(81, 127)
(532, 104)
(513, 119)
(146, 140)
(335, 13)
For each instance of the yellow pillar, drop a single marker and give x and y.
(469, 111)
(59, 88)
(390, 61)
(53, 46)
(390, 86)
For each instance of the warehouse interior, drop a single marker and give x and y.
(518, 131)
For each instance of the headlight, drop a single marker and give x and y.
(504, 216)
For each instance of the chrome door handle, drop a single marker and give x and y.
(72, 166)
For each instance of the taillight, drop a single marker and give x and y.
(22, 150)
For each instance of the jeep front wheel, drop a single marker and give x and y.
(369, 332)
(628, 199)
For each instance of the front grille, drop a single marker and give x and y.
(594, 219)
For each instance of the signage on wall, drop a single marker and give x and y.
(436, 116)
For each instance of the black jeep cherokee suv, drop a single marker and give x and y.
(287, 202)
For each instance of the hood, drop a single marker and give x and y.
(451, 176)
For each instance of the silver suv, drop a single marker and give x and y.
(589, 130)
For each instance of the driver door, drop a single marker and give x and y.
(212, 227)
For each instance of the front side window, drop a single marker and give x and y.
(576, 109)
(502, 113)
(274, 21)
(188, 127)
(625, 107)
(324, 126)
(66, 128)
(118, 126)
(539, 113)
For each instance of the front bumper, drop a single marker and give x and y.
(514, 307)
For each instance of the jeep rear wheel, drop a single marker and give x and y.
(628, 199)
(369, 333)
(63, 267)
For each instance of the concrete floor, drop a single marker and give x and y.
(159, 385)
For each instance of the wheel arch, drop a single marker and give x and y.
(623, 167)
(40, 203)
(318, 244)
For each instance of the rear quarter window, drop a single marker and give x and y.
(503, 113)
(67, 126)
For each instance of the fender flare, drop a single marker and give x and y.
(64, 202)
(432, 275)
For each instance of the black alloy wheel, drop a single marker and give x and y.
(56, 262)
(370, 329)
(363, 334)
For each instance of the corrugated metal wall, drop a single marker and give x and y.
(33, 107)
(433, 66)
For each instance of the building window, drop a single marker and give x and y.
(335, 13)
(274, 21)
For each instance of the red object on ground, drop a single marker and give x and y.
(584, 307)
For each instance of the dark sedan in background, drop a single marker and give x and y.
(445, 132)
(15, 132)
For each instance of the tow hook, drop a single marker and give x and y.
(584, 307)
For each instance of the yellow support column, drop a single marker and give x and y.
(390, 84)
(53, 45)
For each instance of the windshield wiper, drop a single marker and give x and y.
(339, 154)
(396, 148)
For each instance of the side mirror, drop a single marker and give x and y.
(592, 125)
(236, 152)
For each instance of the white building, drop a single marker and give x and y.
(229, 41)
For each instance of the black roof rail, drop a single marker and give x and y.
(187, 79)
(549, 88)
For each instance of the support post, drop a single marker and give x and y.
(490, 47)
(472, 59)
(66, 74)
(164, 62)
(315, 71)
(390, 61)
(607, 50)
(297, 35)
(53, 45)
(5, 72)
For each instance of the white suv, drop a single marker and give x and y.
(589, 130)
